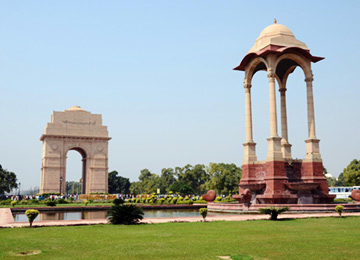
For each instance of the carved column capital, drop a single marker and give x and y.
(271, 74)
(282, 90)
(309, 79)
(247, 85)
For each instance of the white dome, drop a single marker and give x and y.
(279, 35)
(75, 108)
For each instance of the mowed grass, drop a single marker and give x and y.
(321, 238)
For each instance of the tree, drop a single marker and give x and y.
(352, 173)
(126, 214)
(7, 181)
(341, 181)
(273, 211)
(31, 215)
(195, 176)
(181, 188)
(166, 179)
(118, 184)
(224, 178)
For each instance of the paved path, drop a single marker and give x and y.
(6, 219)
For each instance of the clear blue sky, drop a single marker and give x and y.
(160, 73)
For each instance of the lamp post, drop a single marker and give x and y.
(19, 188)
(60, 184)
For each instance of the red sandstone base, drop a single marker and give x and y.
(279, 182)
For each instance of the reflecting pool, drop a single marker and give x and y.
(101, 214)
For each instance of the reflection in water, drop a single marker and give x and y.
(75, 215)
(101, 214)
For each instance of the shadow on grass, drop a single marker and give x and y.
(284, 219)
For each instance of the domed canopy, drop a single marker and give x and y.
(277, 39)
(75, 108)
(279, 35)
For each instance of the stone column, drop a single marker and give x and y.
(248, 113)
(274, 141)
(310, 108)
(312, 143)
(285, 146)
(249, 145)
(272, 103)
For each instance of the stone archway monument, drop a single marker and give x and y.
(281, 179)
(82, 131)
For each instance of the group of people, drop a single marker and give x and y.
(39, 197)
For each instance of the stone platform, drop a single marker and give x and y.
(241, 208)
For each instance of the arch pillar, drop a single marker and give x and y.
(274, 141)
(312, 143)
(249, 145)
(285, 146)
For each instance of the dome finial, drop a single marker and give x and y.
(275, 21)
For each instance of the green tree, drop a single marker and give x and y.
(352, 173)
(224, 178)
(181, 188)
(118, 184)
(194, 176)
(148, 183)
(166, 179)
(340, 181)
(7, 181)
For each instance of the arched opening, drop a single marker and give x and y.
(296, 101)
(76, 171)
(260, 112)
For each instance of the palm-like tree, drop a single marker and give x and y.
(126, 214)
(273, 211)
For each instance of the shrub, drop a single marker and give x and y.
(31, 215)
(118, 201)
(189, 202)
(200, 201)
(273, 211)
(339, 209)
(153, 199)
(91, 201)
(126, 214)
(34, 201)
(47, 194)
(62, 201)
(218, 199)
(13, 203)
(50, 203)
(162, 200)
(86, 202)
(174, 200)
(203, 212)
(349, 199)
(24, 202)
(5, 202)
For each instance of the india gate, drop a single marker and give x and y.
(82, 131)
(281, 179)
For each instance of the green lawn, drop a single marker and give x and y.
(323, 238)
